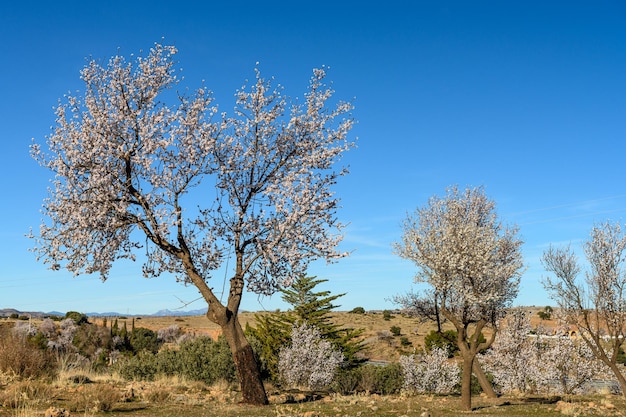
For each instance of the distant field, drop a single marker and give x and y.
(381, 345)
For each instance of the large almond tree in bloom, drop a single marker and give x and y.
(596, 305)
(472, 262)
(140, 168)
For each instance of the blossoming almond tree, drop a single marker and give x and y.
(597, 306)
(525, 360)
(131, 160)
(310, 361)
(472, 262)
(429, 372)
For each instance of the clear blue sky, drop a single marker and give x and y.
(527, 99)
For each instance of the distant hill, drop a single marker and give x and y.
(167, 313)
(6, 312)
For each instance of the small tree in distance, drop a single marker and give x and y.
(597, 306)
(128, 168)
(310, 361)
(472, 262)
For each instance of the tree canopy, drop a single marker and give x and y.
(140, 168)
(596, 305)
(472, 263)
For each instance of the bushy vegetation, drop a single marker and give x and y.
(199, 359)
(384, 379)
(24, 358)
(445, 340)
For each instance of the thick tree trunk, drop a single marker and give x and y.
(466, 381)
(483, 381)
(252, 388)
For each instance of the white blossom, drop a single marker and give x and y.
(310, 362)
(525, 361)
(430, 372)
(597, 306)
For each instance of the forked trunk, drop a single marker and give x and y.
(252, 389)
(466, 381)
(483, 381)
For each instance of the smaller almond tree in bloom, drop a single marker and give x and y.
(430, 372)
(472, 262)
(512, 359)
(571, 364)
(523, 362)
(597, 305)
(310, 362)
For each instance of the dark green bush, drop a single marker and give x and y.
(387, 315)
(144, 339)
(404, 341)
(141, 367)
(382, 380)
(90, 338)
(200, 359)
(79, 318)
(369, 378)
(395, 330)
(444, 340)
(358, 310)
(347, 381)
(204, 359)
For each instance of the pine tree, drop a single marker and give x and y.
(272, 330)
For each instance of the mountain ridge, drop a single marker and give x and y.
(7, 312)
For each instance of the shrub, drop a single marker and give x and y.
(395, 330)
(404, 341)
(90, 339)
(21, 358)
(48, 328)
(141, 367)
(24, 329)
(78, 318)
(441, 340)
(310, 362)
(94, 398)
(358, 310)
(20, 394)
(382, 380)
(203, 359)
(387, 315)
(347, 381)
(369, 378)
(144, 339)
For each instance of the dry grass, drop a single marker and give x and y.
(155, 400)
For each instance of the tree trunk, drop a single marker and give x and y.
(619, 376)
(252, 388)
(466, 381)
(483, 381)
